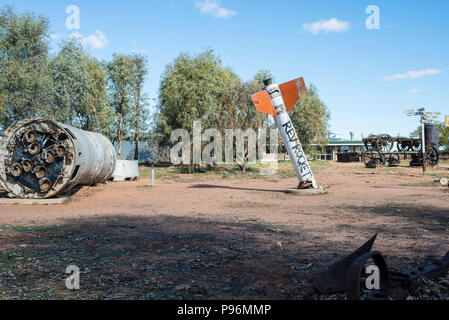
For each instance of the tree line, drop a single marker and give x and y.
(108, 97)
(197, 87)
(70, 86)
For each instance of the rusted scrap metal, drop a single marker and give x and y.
(385, 143)
(405, 284)
(408, 144)
(334, 279)
(379, 149)
(344, 276)
(373, 158)
(355, 270)
(432, 157)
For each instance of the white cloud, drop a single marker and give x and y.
(97, 40)
(207, 6)
(54, 36)
(327, 26)
(414, 91)
(224, 13)
(213, 8)
(413, 74)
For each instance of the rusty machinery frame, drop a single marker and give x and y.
(379, 151)
(385, 143)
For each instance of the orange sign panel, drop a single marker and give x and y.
(292, 91)
(262, 102)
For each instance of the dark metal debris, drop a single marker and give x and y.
(334, 279)
(344, 276)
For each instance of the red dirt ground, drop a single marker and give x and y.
(208, 238)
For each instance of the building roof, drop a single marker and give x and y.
(345, 143)
(342, 143)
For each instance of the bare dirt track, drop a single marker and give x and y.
(205, 237)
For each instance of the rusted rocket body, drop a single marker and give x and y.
(42, 158)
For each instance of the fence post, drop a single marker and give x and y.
(153, 174)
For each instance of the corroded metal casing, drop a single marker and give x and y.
(42, 158)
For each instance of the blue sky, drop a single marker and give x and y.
(367, 78)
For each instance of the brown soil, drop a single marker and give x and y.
(211, 238)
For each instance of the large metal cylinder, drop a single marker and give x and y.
(431, 135)
(42, 158)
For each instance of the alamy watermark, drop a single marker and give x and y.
(212, 153)
(373, 280)
(73, 21)
(73, 281)
(373, 20)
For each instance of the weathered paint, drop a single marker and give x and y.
(67, 157)
(286, 128)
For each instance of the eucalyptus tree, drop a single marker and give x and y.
(95, 113)
(140, 99)
(310, 117)
(242, 120)
(190, 90)
(443, 138)
(121, 76)
(25, 80)
(70, 71)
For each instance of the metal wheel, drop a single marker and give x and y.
(432, 156)
(384, 143)
(394, 160)
(372, 158)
